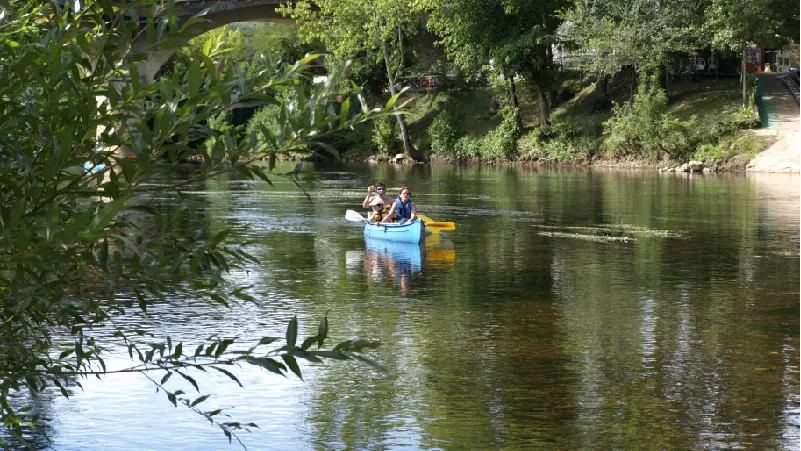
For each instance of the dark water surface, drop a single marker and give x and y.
(569, 310)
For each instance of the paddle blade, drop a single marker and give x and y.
(440, 225)
(354, 216)
(425, 218)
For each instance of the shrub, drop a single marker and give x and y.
(447, 127)
(500, 144)
(385, 135)
(712, 153)
(644, 126)
(557, 150)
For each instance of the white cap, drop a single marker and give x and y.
(377, 200)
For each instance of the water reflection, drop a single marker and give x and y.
(547, 333)
(384, 260)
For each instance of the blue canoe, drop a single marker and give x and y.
(412, 232)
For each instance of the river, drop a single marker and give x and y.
(568, 310)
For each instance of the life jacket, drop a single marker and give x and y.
(377, 216)
(403, 211)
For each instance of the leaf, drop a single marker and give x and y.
(293, 365)
(220, 237)
(199, 400)
(263, 341)
(343, 113)
(392, 100)
(269, 364)
(308, 342)
(189, 379)
(330, 355)
(292, 331)
(322, 331)
(229, 374)
(370, 362)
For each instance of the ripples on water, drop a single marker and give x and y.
(568, 310)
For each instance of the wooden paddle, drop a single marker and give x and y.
(431, 224)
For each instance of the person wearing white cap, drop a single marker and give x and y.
(376, 210)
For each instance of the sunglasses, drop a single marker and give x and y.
(380, 188)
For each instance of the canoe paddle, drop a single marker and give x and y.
(430, 223)
(354, 216)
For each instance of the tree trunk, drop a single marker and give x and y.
(545, 111)
(745, 78)
(633, 84)
(602, 87)
(513, 90)
(717, 63)
(414, 153)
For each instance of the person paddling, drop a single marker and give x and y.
(403, 209)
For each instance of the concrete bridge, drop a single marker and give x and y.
(218, 14)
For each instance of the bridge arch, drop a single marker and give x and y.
(218, 14)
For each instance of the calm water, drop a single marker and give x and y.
(569, 310)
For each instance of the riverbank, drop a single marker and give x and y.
(721, 135)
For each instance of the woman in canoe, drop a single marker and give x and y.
(403, 209)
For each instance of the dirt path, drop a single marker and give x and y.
(782, 114)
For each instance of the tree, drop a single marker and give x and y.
(81, 139)
(515, 34)
(733, 24)
(375, 28)
(610, 34)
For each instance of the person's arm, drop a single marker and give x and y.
(370, 216)
(388, 217)
(414, 212)
(366, 202)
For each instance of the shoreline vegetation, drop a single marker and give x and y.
(673, 122)
(720, 133)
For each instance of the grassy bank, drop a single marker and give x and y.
(699, 120)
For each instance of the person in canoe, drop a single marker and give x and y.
(403, 209)
(380, 192)
(376, 210)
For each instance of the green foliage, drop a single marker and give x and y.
(645, 128)
(75, 243)
(734, 144)
(560, 143)
(645, 34)
(385, 136)
(500, 144)
(732, 23)
(374, 30)
(251, 47)
(447, 127)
